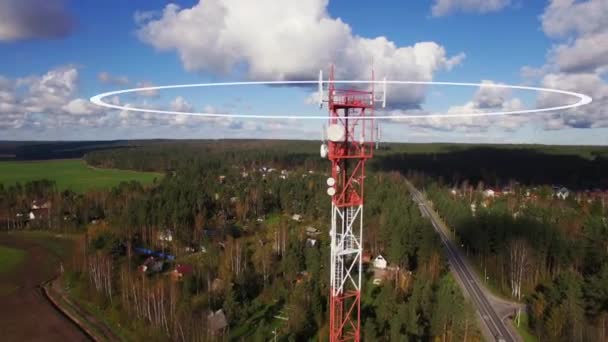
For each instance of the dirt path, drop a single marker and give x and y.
(25, 315)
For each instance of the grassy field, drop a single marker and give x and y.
(73, 174)
(10, 258)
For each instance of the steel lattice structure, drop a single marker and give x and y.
(350, 144)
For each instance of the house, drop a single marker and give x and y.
(296, 217)
(221, 179)
(181, 271)
(380, 262)
(312, 231)
(489, 193)
(166, 236)
(562, 193)
(151, 265)
(39, 214)
(311, 242)
(41, 204)
(216, 322)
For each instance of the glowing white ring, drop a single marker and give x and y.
(583, 100)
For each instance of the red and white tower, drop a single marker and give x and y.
(350, 136)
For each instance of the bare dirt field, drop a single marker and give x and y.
(26, 315)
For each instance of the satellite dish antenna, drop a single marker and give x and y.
(324, 149)
(331, 191)
(336, 133)
(331, 181)
(320, 91)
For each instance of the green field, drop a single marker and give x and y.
(72, 174)
(10, 258)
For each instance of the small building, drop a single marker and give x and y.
(41, 204)
(312, 231)
(221, 179)
(311, 242)
(217, 322)
(296, 217)
(151, 265)
(380, 262)
(562, 193)
(181, 271)
(488, 193)
(166, 236)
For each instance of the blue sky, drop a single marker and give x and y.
(50, 67)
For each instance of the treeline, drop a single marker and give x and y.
(257, 263)
(171, 155)
(496, 167)
(550, 253)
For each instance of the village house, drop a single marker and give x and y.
(562, 193)
(151, 265)
(489, 193)
(312, 231)
(217, 322)
(380, 262)
(165, 236)
(181, 271)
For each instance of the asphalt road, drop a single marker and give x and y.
(488, 311)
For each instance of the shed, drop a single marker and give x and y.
(217, 322)
(380, 262)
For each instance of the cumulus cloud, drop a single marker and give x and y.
(576, 62)
(26, 19)
(180, 104)
(147, 93)
(445, 7)
(107, 78)
(51, 98)
(286, 40)
(487, 98)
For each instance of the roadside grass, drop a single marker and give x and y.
(72, 174)
(524, 328)
(10, 258)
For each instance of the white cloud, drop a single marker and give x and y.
(180, 104)
(26, 19)
(81, 107)
(445, 7)
(565, 17)
(287, 40)
(107, 78)
(486, 98)
(147, 93)
(593, 115)
(576, 62)
(50, 99)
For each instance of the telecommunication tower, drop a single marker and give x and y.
(350, 143)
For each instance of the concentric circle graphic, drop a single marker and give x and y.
(582, 100)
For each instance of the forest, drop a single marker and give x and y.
(531, 246)
(229, 207)
(231, 223)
